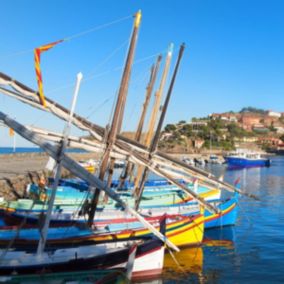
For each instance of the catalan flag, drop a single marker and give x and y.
(37, 53)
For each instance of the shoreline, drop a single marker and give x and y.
(17, 170)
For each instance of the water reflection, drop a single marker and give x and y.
(187, 266)
(220, 237)
(250, 252)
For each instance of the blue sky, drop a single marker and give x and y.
(234, 55)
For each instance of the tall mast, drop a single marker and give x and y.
(149, 89)
(118, 113)
(155, 111)
(155, 140)
(66, 132)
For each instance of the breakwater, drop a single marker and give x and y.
(19, 169)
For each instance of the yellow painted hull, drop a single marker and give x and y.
(180, 230)
(185, 232)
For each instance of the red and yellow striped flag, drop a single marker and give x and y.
(37, 53)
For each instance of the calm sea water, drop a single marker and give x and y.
(253, 250)
(9, 150)
(250, 252)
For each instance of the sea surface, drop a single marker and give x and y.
(10, 150)
(250, 252)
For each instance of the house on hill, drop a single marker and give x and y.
(226, 116)
(274, 113)
(248, 120)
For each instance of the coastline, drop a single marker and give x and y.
(17, 170)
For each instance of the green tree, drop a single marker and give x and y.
(170, 128)
(253, 109)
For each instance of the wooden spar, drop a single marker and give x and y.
(156, 138)
(92, 146)
(76, 142)
(29, 96)
(79, 171)
(208, 177)
(118, 113)
(137, 158)
(149, 89)
(66, 131)
(154, 114)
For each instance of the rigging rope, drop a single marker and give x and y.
(71, 37)
(91, 77)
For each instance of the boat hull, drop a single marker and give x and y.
(227, 217)
(244, 162)
(180, 230)
(74, 259)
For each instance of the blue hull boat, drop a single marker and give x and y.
(247, 162)
(228, 217)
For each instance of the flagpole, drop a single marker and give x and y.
(66, 132)
(14, 143)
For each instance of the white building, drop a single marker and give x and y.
(274, 113)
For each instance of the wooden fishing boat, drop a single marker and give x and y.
(227, 215)
(148, 261)
(180, 230)
(74, 193)
(172, 199)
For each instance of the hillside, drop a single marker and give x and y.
(250, 127)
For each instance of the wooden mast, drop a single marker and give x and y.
(147, 99)
(154, 114)
(155, 141)
(154, 71)
(29, 96)
(80, 172)
(118, 113)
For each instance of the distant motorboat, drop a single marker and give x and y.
(214, 159)
(188, 161)
(243, 158)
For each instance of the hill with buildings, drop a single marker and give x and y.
(250, 128)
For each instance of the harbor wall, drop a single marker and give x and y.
(20, 169)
